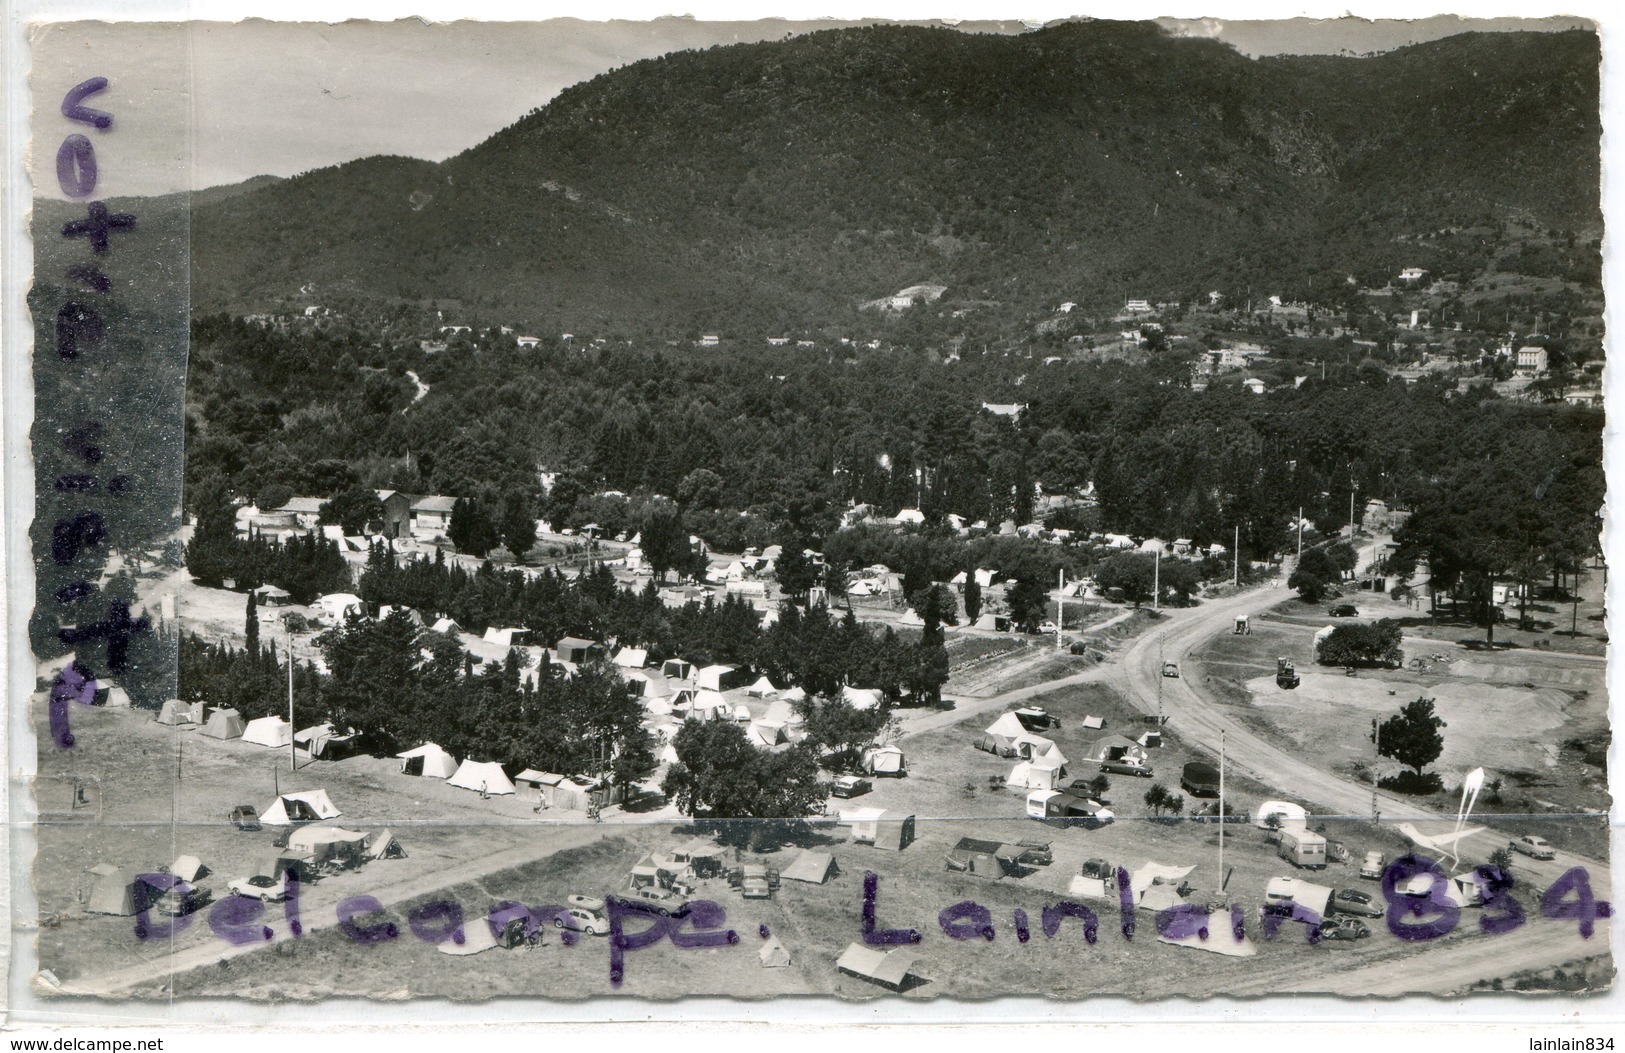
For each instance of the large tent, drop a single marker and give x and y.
(303, 807)
(890, 969)
(269, 731)
(720, 677)
(762, 688)
(1043, 772)
(781, 711)
(885, 760)
(813, 867)
(481, 776)
(224, 724)
(114, 891)
(326, 843)
(631, 657)
(765, 734)
(860, 698)
(1155, 885)
(429, 761)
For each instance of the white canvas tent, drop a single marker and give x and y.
(385, 845)
(773, 954)
(224, 724)
(717, 677)
(885, 760)
(762, 688)
(780, 711)
(176, 712)
(304, 806)
(890, 969)
(631, 657)
(764, 735)
(188, 868)
(273, 732)
(812, 867)
(435, 762)
(1043, 772)
(860, 697)
(481, 777)
(1094, 723)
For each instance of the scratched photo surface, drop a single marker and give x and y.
(939, 510)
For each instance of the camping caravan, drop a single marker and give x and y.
(1303, 849)
(1286, 816)
(484, 777)
(429, 761)
(272, 732)
(1055, 806)
(307, 806)
(1321, 636)
(224, 724)
(1044, 772)
(891, 831)
(886, 762)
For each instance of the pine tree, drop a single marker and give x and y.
(251, 626)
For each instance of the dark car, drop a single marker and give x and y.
(1343, 929)
(1344, 610)
(850, 786)
(173, 904)
(1085, 788)
(1353, 901)
(1125, 767)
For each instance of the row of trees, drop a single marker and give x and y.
(307, 566)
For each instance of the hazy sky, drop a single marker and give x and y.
(210, 103)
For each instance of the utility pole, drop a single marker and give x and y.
(1060, 607)
(1376, 739)
(1221, 810)
(293, 758)
(1156, 582)
(1235, 554)
(1300, 533)
(1351, 515)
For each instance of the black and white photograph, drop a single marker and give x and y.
(924, 510)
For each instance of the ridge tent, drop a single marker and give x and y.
(762, 688)
(385, 845)
(429, 761)
(812, 867)
(890, 969)
(188, 868)
(224, 724)
(317, 739)
(792, 695)
(885, 761)
(272, 732)
(1094, 723)
(676, 669)
(177, 712)
(112, 696)
(447, 626)
(303, 807)
(780, 711)
(114, 891)
(656, 705)
(1117, 748)
(765, 735)
(1000, 736)
(654, 685)
(482, 777)
(773, 954)
(632, 657)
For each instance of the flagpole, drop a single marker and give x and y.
(1221, 810)
(293, 758)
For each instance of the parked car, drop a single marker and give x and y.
(1344, 610)
(1047, 628)
(1125, 767)
(581, 916)
(260, 887)
(1532, 845)
(1343, 929)
(246, 818)
(1353, 901)
(1035, 853)
(850, 786)
(1085, 788)
(173, 904)
(656, 900)
(1170, 669)
(753, 882)
(1373, 866)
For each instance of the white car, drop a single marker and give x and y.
(1048, 627)
(266, 889)
(589, 920)
(1537, 847)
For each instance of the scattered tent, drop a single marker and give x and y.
(575, 649)
(316, 739)
(780, 711)
(676, 669)
(1117, 748)
(177, 712)
(330, 844)
(773, 954)
(813, 867)
(720, 678)
(429, 761)
(273, 732)
(860, 698)
(632, 657)
(482, 777)
(792, 695)
(1291, 816)
(1094, 723)
(507, 636)
(885, 761)
(765, 735)
(1043, 772)
(112, 696)
(188, 868)
(385, 845)
(477, 937)
(1000, 736)
(114, 891)
(307, 806)
(339, 606)
(893, 970)
(1220, 941)
(447, 626)
(224, 724)
(762, 688)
